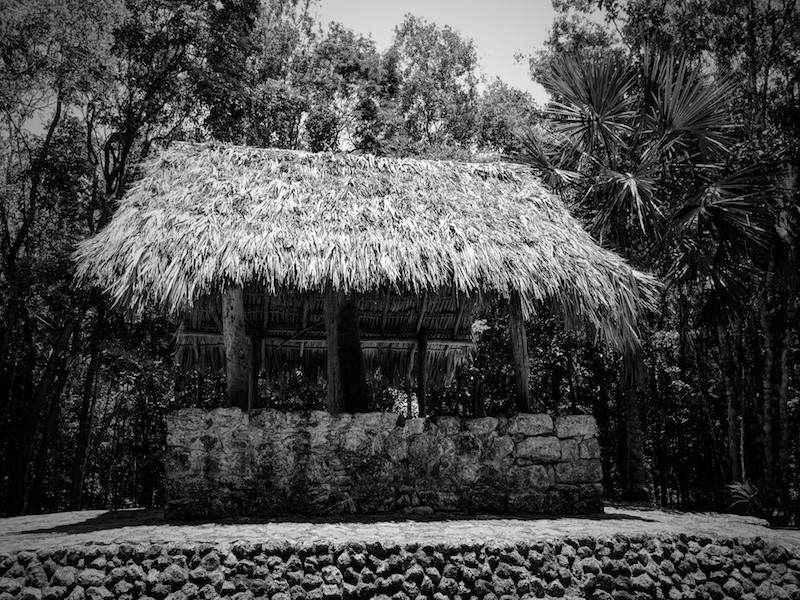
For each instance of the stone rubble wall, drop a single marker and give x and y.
(225, 464)
(606, 568)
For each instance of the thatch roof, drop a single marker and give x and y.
(204, 217)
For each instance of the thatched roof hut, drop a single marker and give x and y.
(417, 241)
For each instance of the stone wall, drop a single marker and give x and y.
(225, 463)
(616, 568)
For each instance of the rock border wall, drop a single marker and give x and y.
(607, 568)
(225, 463)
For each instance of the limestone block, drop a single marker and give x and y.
(342, 421)
(576, 426)
(439, 499)
(467, 472)
(482, 426)
(356, 440)
(579, 471)
(541, 449)
(186, 423)
(379, 441)
(526, 502)
(569, 493)
(424, 452)
(532, 476)
(396, 447)
(591, 490)
(448, 425)
(448, 446)
(318, 418)
(526, 424)
(177, 463)
(413, 426)
(230, 418)
(569, 449)
(498, 447)
(589, 448)
(467, 446)
(375, 421)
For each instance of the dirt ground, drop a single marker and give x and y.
(148, 526)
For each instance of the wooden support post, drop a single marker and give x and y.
(237, 352)
(333, 302)
(519, 350)
(422, 373)
(255, 370)
(422, 359)
(351, 358)
(347, 373)
(408, 387)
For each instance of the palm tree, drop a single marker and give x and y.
(633, 142)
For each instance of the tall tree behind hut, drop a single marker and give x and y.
(106, 82)
(732, 346)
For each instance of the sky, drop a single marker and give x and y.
(499, 28)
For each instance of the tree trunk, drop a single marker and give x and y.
(38, 493)
(253, 398)
(729, 378)
(22, 470)
(333, 302)
(768, 403)
(519, 350)
(237, 351)
(785, 440)
(718, 461)
(422, 373)
(85, 417)
(147, 476)
(351, 361)
(636, 488)
(200, 391)
(409, 389)
(479, 399)
(347, 373)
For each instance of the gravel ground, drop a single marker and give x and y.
(135, 526)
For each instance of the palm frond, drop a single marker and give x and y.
(680, 102)
(545, 160)
(735, 209)
(594, 102)
(632, 193)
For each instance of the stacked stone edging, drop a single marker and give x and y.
(606, 568)
(226, 463)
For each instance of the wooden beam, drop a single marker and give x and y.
(216, 317)
(519, 350)
(304, 322)
(460, 300)
(352, 366)
(255, 370)
(333, 302)
(237, 351)
(297, 337)
(422, 373)
(408, 387)
(265, 315)
(422, 310)
(385, 315)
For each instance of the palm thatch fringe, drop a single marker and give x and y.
(445, 315)
(206, 352)
(205, 217)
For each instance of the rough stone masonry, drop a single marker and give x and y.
(226, 463)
